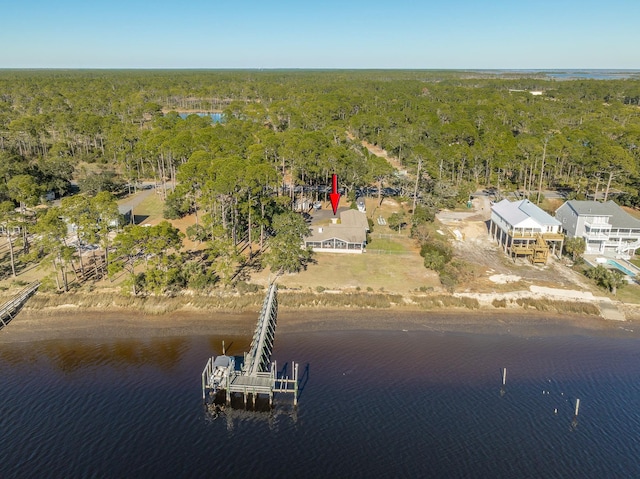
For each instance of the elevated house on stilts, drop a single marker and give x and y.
(522, 229)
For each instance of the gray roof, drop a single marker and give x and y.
(352, 228)
(355, 219)
(618, 217)
(518, 211)
(348, 234)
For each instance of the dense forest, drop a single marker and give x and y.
(281, 136)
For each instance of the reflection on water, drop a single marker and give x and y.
(239, 414)
(378, 404)
(72, 356)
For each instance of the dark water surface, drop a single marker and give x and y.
(374, 404)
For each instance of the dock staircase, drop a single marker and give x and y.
(540, 251)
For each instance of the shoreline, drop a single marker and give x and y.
(84, 324)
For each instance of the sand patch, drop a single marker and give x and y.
(504, 278)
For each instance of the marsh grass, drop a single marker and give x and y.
(499, 303)
(359, 300)
(573, 307)
(147, 304)
(230, 301)
(441, 301)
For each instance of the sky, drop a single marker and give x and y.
(392, 34)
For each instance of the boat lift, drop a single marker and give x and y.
(258, 375)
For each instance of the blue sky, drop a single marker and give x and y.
(448, 34)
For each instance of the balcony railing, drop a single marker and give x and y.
(534, 235)
(624, 234)
(596, 236)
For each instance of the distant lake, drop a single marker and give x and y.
(215, 117)
(572, 74)
(593, 74)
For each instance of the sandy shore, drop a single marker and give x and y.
(37, 326)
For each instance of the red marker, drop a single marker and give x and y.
(334, 196)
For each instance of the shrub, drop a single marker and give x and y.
(243, 287)
(436, 254)
(499, 303)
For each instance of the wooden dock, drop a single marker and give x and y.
(258, 375)
(12, 307)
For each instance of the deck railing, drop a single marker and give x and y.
(9, 309)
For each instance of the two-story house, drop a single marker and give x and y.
(605, 227)
(523, 229)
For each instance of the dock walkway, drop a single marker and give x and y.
(258, 374)
(12, 307)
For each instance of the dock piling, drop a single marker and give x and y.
(258, 375)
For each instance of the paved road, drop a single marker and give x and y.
(517, 195)
(134, 200)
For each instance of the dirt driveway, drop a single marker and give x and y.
(472, 243)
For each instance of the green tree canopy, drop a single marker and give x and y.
(286, 251)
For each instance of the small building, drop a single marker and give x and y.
(125, 212)
(523, 229)
(303, 204)
(12, 230)
(605, 227)
(349, 235)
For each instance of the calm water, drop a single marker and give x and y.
(573, 74)
(215, 117)
(374, 404)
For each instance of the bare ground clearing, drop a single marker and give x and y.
(469, 231)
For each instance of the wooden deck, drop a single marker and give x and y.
(258, 374)
(535, 246)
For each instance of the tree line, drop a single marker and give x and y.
(285, 133)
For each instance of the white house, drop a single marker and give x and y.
(347, 236)
(523, 229)
(605, 227)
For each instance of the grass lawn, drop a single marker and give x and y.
(149, 210)
(628, 294)
(388, 245)
(551, 204)
(390, 272)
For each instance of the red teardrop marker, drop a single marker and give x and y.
(334, 196)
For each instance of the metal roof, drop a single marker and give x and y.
(518, 211)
